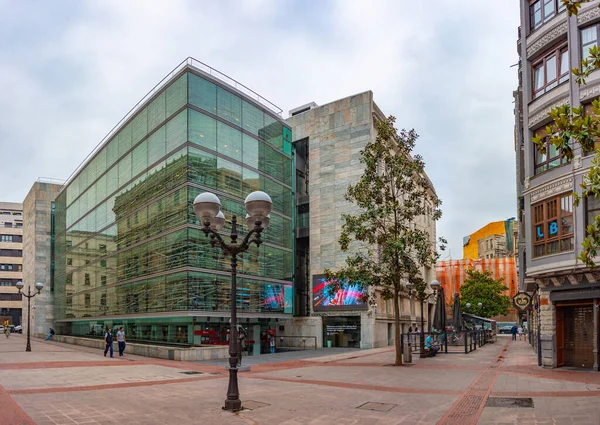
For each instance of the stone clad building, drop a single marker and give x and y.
(328, 140)
(11, 262)
(565, 318)
(38, 264)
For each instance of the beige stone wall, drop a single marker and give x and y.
(337, 132)
(37, 254)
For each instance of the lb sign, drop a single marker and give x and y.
(522, 301)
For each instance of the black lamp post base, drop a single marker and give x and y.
(233, 405)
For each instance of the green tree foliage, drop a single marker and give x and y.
(385, 247)
(583, 127)
(480, 287)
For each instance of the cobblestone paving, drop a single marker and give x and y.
(61, 384)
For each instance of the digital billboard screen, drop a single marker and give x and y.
(349, 297)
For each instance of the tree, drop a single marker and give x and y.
(582, 126)
(385, 247)
(480, 287)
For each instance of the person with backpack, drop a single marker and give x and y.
(108, 340)
(513, 331)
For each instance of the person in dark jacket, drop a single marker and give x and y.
(108, 340)
(513, 331)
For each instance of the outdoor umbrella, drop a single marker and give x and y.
(456, 314)
(439, 315)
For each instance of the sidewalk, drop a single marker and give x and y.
(61, 384)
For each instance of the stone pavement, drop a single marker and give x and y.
(61, 384)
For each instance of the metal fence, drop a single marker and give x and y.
(458, 341)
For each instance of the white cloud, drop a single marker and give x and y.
(71, 71)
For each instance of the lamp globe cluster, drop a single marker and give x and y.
(207, 206)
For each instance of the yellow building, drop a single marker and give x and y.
(490, 241)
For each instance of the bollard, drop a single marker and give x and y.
(407, 356)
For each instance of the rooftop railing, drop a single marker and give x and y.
(190, 61)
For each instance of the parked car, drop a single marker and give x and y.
(505, 329)
(18, 329)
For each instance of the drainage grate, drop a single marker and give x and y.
(251, 405)
(380, 407)
(509, 402)
(191, 372)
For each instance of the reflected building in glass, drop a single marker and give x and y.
(128, 248)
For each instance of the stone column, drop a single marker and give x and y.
(547, 330)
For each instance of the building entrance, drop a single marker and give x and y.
(575, 335)
(341, 331)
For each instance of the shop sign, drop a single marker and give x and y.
(522, 301)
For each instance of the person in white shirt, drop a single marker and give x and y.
(520, 332)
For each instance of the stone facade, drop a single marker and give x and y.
(336, 133)
(37, 253)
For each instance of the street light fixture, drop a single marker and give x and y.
(38, 287)
(207, 207)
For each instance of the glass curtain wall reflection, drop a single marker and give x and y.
(129, 249)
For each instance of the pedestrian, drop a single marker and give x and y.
(272, 344)
(50, 334)
(108, 340)
(430, 345)
(121, 341)
(6, 331)
(242, 334)
(520, 332)
(513, 331)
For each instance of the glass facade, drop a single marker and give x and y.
(127, 245)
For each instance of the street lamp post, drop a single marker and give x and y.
(207, 207)
(29, 296)
(419, 293)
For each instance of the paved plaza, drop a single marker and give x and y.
(497, 384)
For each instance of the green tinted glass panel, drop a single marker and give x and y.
(229, 141)
(139, 126)
(252, 118)
(250, 151)
(156, 112)
(177, 131)
(229, 106)
(157, 145)
(125, 139)
(202, 168)
(176, 95)
(202, 93)
(139, 158)
(229, 177)
(125, 169)
(202, 130)
(112, 152)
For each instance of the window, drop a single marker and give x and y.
(102, 248)
(6, 238)
(7, 224)
(88, 300)
(102, 280)
(102, 263)
(69, 261)
(87, 278)
(550, 71)
(553, 225)
(541, 11)
(592, 209)
(548, 160)
(589, 38)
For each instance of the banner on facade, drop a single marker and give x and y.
(522, 301)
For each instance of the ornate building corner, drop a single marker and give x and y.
(542, 114)
(588, 15)
(551, 189)
(546, 39)
(526, 183)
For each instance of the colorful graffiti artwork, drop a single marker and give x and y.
(350, 297)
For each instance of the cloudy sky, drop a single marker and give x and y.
(69, 71)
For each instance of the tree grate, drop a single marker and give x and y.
(509, 402)
(191, 372)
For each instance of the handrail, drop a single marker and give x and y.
(189, 61)
(304, 338)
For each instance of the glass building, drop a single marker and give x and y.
(128, 248)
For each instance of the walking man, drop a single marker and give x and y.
(121, 340)
(513, 331)
(520, 332)
(108, 340)
(272, 344)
